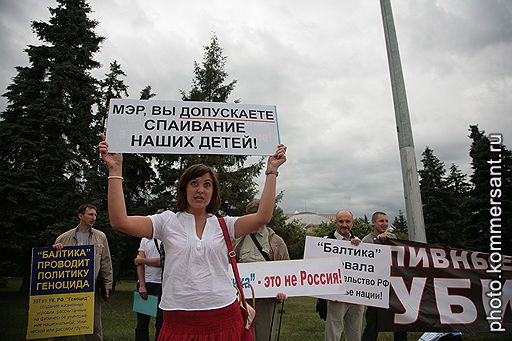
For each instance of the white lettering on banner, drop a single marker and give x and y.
(446, 295)
(293, 277)
(467, 312)
(438, 258)
(172, 127)
(366, 269)
(411, 300)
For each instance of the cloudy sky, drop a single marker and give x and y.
(324, 65)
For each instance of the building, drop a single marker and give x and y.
(310, 219)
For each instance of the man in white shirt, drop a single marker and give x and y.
(149, 275)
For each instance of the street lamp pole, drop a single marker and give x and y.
(413, 205)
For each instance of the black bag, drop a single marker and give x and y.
(321, 308)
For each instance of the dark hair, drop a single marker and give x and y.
(376, 214)
(84, 207)
(191, 173)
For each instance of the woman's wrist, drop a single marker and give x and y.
(115, 172)
(115, 177)
(270, 171)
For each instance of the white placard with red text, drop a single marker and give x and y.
(293, 277)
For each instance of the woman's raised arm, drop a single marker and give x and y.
(251, 222)
(137, 226)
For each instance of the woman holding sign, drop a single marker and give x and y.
(198, 298)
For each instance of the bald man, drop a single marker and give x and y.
(341, 316)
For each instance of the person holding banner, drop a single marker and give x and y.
(342, 316)
(85, 234)
(199, 301)
(380, 223)
(260, 246)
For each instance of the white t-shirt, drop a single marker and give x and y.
(196, 273)
(152, 274)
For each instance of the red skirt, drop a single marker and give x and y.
(223, 324)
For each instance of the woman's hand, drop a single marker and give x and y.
(277, 159)
(114, 162)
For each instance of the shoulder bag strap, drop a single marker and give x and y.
(161, 253)
(260, 248)
(232, 260)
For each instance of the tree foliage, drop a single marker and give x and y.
(399, 226)
(433, 197)
(491, 187)
(49, 163)
(362, 227)
(237, 186)
(48, 132)
(459, 213)
(293, 233)
(443, 198)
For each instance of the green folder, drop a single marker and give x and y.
(146, 307)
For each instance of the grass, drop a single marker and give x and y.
(299, 321)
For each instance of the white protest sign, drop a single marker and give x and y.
(293, 277)
(172, 127)
(366, 269)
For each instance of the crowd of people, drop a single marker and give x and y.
(182, 259)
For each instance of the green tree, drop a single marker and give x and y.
(476, 229)
(147, 93)
(400, 226)
(293, 233)
(161, 191)
(112, 86)
(434, 198)
(478, 220)
(47, 135)
(457, 189)
(362, 227)
(237, 185)
(322, 230)
(138, 173)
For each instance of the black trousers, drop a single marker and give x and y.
(370, 331)
(142, 329)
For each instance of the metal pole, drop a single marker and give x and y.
(280, 320)
(272, 322)
(413, 205)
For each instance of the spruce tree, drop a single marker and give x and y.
(47, 142)
(433, 197)
(478, 220)
(362, 226)
(476, 229)
(457, 188)
(237, 186)
(400, 226)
